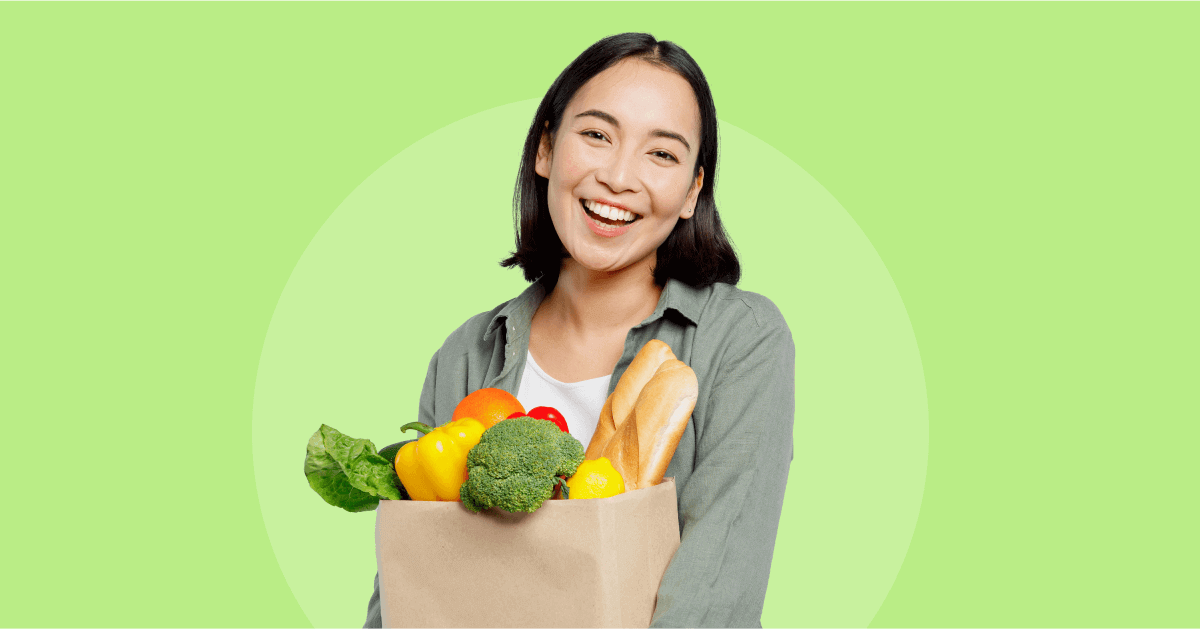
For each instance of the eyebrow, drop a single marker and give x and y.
(658, 133)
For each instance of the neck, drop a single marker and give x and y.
(595, 301)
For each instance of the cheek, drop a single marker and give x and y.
(572, 168)
(670, 192)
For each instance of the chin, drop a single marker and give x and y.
(596, 263)
(597, 266)
(607, 264)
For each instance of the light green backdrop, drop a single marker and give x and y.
(1025, 172)
(346, 346)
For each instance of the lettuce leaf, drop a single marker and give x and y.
(348, 472)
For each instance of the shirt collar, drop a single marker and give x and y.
(682, 298)
(676, 295)
(518, 313)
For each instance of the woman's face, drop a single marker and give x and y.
(626, 149)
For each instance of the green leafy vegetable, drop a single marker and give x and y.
(348, 472)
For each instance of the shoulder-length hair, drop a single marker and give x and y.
(698, 251)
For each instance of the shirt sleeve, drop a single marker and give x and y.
(425, 416)
(730, 506)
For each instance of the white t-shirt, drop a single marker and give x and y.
(578, 402)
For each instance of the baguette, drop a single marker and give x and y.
(605, 429)
(620, 403)
(659, 418)
(623, 452)
(641, 369)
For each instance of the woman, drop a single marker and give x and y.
(619, 235)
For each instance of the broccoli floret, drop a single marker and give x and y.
(514, 465)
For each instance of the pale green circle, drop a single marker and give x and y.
(413, 252)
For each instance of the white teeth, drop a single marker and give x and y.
(608, 211)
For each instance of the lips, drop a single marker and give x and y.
(609, 226)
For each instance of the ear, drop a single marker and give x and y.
(689, 204)
(542, 165)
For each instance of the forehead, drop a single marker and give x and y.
(641, 95)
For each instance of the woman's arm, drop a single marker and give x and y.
(730, 506)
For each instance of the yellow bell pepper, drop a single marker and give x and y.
(595, 479)
(435, 466)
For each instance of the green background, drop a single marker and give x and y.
(1026, 172)
(347, 346)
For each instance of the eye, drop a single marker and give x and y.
(665, 155)
(596, 135)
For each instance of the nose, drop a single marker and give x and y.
(619, 172)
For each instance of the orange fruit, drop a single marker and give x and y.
(488, 406)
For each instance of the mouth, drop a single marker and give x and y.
(607, 215)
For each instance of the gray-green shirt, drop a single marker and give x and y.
(732, 462)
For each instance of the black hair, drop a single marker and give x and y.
(698, 251)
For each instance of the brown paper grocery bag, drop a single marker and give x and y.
(571, 563)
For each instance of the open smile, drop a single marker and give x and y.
(606, 220)
(608, 214)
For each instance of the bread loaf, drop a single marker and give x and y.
(605, 429)
(623, 452)
(641, 369)
(621, 401)
(661, 415)
(645, 416)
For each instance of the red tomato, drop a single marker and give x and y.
(550, 414)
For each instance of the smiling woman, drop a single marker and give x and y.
(619, 237)
(605, 177)
(656, 90)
